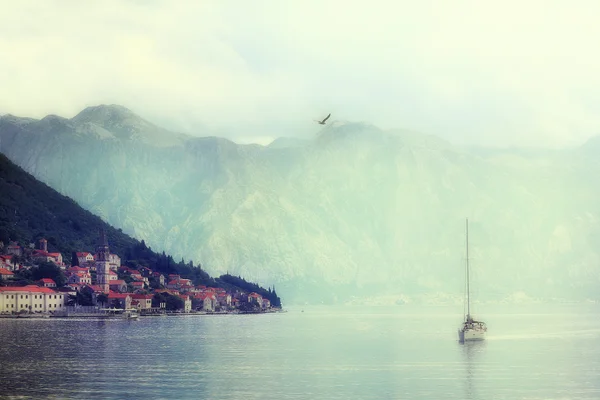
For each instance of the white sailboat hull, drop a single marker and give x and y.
(470, 335)
(471, 330)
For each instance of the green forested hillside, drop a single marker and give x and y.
(31, 210)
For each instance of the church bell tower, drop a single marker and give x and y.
(102, 262)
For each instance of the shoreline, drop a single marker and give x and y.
(121, 316)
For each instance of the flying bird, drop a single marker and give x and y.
(323, 122)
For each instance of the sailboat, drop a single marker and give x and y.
(471, 329)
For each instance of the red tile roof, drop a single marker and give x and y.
(115, 295)
(116, 282)
(28, 288)
(96, 288)
(4, 271)
(47, 280)
(78, 269)
(142, 296)
(202, 296)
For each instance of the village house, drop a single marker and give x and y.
(255, 298)
(185, 282)
(141, 301)
(205, 301)
(118, 285)
(187, 303)
(187, 288)
(266, 303)
(160, 277)
(83, 278)
(224, 299)
(66, 290)
(73, 270)
(174, 284)
(93, 290)
(5, 274)
(137, 286)
(41, 254)
(47, 282)
(136, 276)
(119, 300)
(75, 286)
(112, 276)
(85, 258)
(30, 298)
(114, 261)
(6, 261)
(124, 269)
(14, 249)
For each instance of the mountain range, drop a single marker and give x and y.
(354, 211)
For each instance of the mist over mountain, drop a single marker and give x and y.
(356, 211)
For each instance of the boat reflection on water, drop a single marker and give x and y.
(472, 354)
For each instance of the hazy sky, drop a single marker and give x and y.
(481, 72)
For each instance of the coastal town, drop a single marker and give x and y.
(98, 284)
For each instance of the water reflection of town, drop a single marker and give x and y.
(472, 360)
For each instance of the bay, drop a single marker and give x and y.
(316, 352)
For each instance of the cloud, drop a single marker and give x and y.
(498, 73)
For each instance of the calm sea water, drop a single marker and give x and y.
(400, 352)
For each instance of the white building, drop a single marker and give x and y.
(30, 298)
(84, 258)
(114, 261)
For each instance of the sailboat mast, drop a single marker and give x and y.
(468, 290)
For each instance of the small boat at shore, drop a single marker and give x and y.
(471, 329)
(128, 313)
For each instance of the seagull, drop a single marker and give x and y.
(323, 122)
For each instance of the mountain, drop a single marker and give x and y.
(355, 211)
(30, 210)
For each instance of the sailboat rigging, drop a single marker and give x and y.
(471, 329)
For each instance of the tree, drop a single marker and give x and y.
(49, 270)
(74, 259)
(84, 298)
(71, 300)
(172, 302)
(16, 260)
(102, 298)
(157, 299)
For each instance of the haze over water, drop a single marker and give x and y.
(327, 352)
